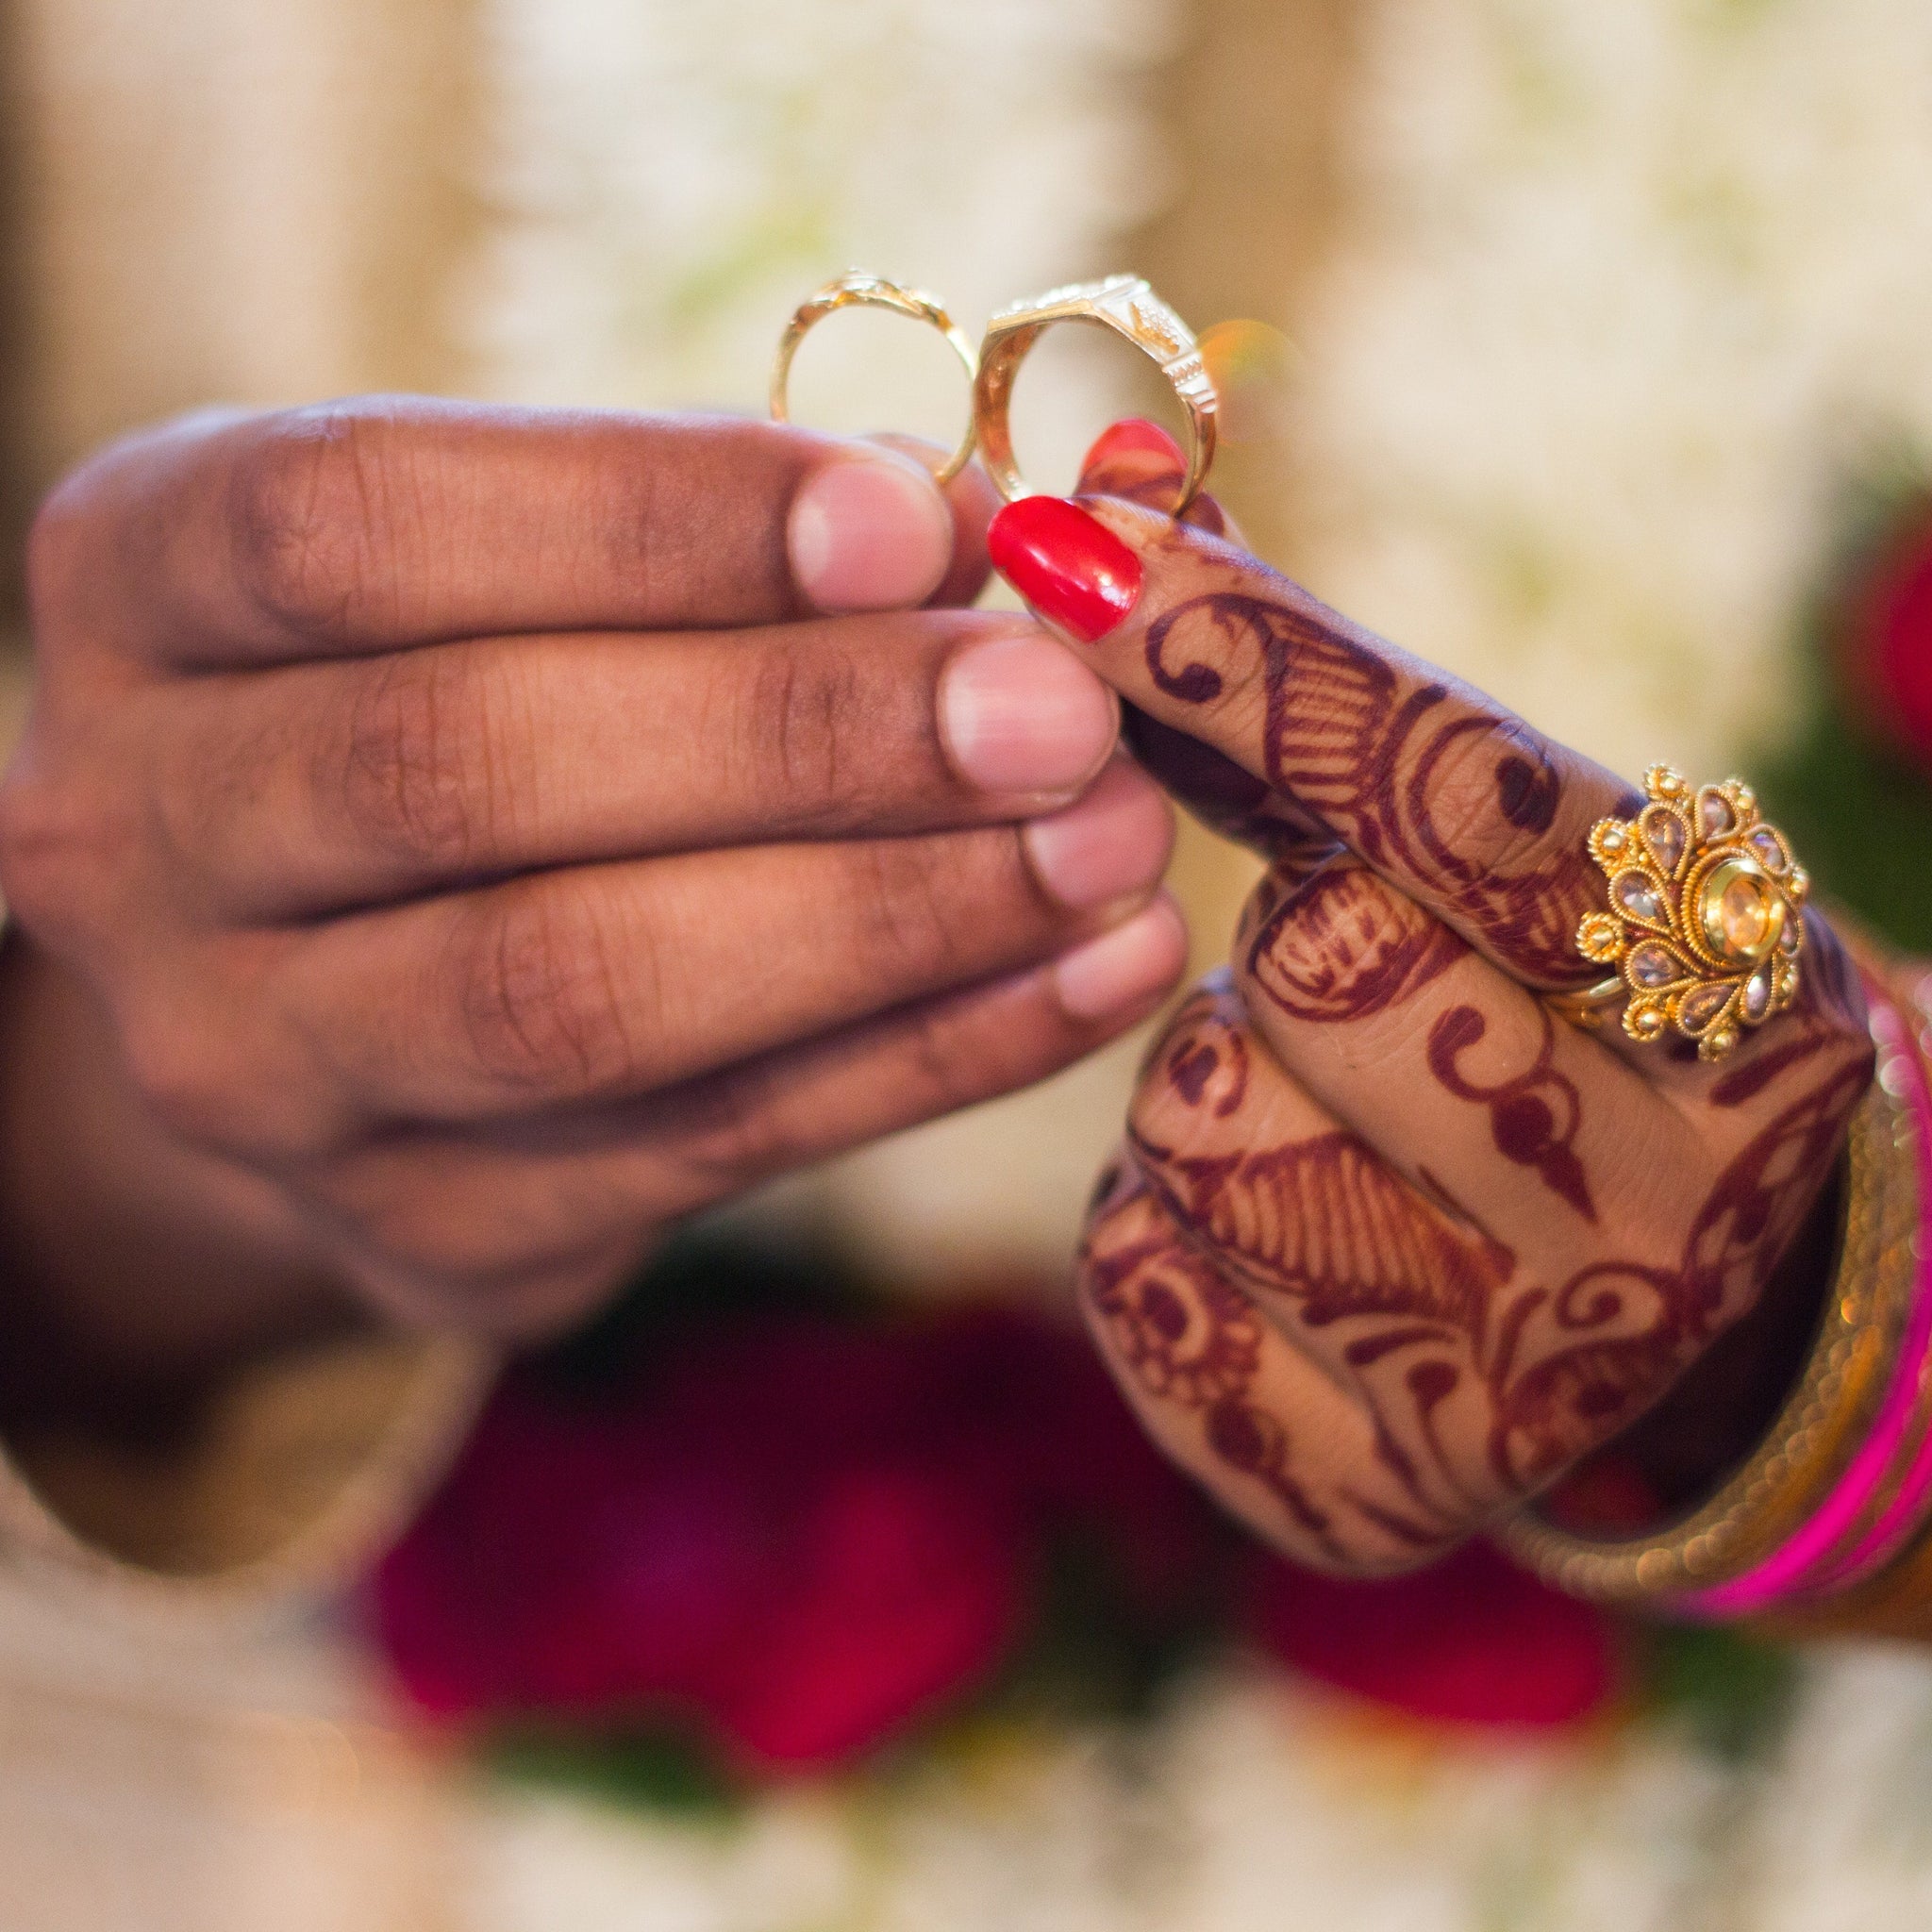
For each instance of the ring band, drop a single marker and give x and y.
(1705, 925)
(1127, 306)
(855, 289)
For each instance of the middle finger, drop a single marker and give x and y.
(600, 981)
(323, 786)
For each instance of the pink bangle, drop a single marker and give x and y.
(1818, 1558)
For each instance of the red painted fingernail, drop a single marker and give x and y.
(1067, 565)
(1133, 436)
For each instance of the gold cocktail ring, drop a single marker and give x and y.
(1704, 930)
(855, 289)
(1128, 306)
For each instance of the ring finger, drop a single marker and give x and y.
(593, 982)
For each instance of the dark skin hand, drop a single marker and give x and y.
(451, 844)
(1389, 1247)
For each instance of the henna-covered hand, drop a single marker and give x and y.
(1389, 1247)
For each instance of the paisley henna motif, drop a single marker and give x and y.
(1393, 771)
(1342, 946)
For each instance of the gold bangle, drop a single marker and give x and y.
(1822, 1420)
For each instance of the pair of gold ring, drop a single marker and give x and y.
(1704, 930)
(1125, 306)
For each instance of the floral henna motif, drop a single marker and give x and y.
(1371, 755)
(1341, 945)
(1533, 1118)
(1188, 1337)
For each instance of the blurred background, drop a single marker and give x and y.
(1583, 324)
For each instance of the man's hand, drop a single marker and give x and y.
(452, 843)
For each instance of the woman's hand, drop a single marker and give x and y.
(458, 841)
(1389, 1247)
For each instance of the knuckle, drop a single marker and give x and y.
(213, 1086)
(807, 710)
(414, 771)
(178, 1080)
(540, 1000)
(1492, 795)
(55, 552)
(935, 908)
(62, 846)
(948, 1067)
(306, 514)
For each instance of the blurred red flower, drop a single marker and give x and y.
(805, 1534)
(1471, 1639)
(1888, 646)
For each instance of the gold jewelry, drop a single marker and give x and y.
(855, 289)
(1586, 1005)
(1703, 928)
(1822, 1423)
(1128, 306)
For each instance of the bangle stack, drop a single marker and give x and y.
(1840, 1487)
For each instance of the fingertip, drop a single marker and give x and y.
(973, 502)
(868, 530)
(1133, 436)
(1126, 973)
(1067, 562)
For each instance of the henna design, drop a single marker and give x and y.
(1533, 1118)
(1345, 946)
(1188, 1337)
(1325, 1221)
(1224, 795)
(1374, 757)
(1204, 1057)
(1578, 1392)
(1480, 1380)
(1432, 1318)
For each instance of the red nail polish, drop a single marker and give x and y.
(1133, 436)
(1067, 565)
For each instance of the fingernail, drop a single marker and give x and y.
(1133, 436)
(1113, 843)
(869, 531)
(1067, 565)
(1127, 969)
(1022, 713)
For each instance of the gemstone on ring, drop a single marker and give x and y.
(1703, 926)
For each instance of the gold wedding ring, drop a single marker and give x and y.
(855, 289)
(1127, 305)
(1704, 924)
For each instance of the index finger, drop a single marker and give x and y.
(386, 523)
(1451, 797)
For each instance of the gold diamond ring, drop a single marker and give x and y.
(1128, 306)
(855, 289)
(1705, 930)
